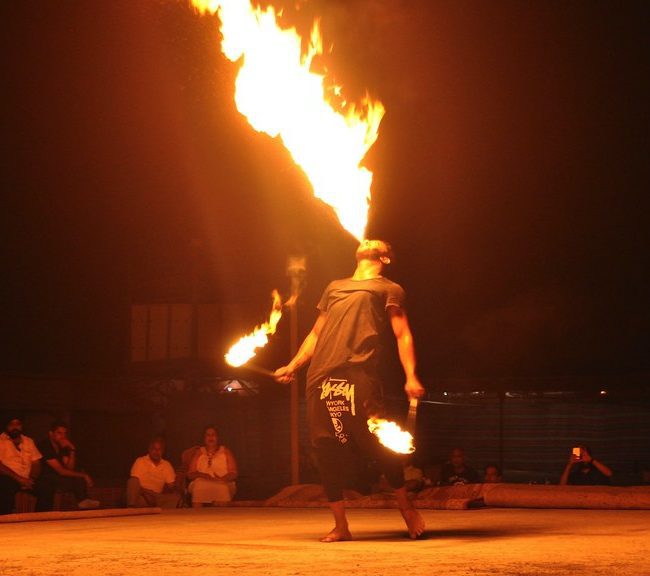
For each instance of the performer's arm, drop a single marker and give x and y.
(304, 354)
(406, 350)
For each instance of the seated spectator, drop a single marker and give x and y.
(152, 480)
(455, 471)
(431, 472)
(19, 464)
(492, 474)
(213, 471)
(583, 469)
(59, 471)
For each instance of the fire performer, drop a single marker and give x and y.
(344, 380)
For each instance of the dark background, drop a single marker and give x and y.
(511, 176)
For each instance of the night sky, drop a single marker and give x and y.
(511, 176)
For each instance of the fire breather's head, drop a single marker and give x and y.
(375, 250)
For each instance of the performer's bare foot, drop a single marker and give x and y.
(337, 535)
(340, 532)
(414, 522)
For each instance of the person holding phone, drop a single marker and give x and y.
(583, 469)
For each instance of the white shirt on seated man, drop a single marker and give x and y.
(152, 478)
(19, 464)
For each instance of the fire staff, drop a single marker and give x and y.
(344, 380)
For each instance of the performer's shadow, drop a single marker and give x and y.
(392, 536)
(444, 534)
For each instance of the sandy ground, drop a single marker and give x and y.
(277, 541)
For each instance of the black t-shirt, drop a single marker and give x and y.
(357, 326)
(449, 477)
(587, 475)
(49, 452)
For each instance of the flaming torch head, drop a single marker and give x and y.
(245, 348)
(391, 435)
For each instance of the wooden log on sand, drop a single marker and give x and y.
(588, 497)
(77, 514)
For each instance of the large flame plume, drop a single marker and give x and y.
(391, 435)
(246, 347)
(281, 96)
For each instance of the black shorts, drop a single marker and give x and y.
(339, 407)
(338, 410)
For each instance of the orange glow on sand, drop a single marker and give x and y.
(280, 96)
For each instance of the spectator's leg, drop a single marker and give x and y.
(73, 484)
(167, 500)
(133, 492)
(148, 499)
(79, 488)
(8, 490)
(192, 489)
(44, 492)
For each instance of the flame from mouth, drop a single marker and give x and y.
(279, 95)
